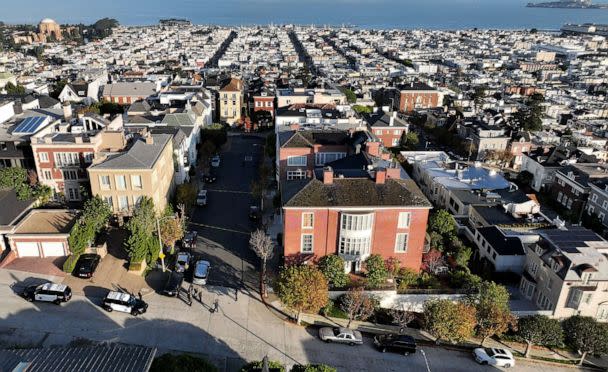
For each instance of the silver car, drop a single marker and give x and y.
(341, 335)
(201, 272)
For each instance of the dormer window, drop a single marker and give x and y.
(586, 277)
(555, 265)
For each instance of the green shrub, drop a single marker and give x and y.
(406, 278)
(428, 281)
(313, 368)
(376, 271)
(181, 363)
(135, 266)
(254, 366)
(70, 263)
(332, 267)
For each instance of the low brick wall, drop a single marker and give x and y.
(414, 302)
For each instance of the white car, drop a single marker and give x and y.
(201, 198)
(494, 357)
(215, 161)
(125, 303)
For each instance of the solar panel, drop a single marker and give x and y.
(30, 125)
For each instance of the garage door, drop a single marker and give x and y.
(51, 249)
(27, 249)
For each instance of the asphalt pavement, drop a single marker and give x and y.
(223, 225)
(242, 330)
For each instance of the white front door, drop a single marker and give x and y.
(52, 249)
(27, 249)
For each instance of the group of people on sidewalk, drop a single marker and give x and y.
(195, 293)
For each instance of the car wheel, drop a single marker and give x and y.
(328, 341)
(483, 363)
(507, 365)
(134, 313)
(351, 343)
(29, 299)
(406, 353)
(57, 302)
(108, 309)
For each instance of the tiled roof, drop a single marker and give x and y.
(310, 138)
(354, 192)
(140, 156)
(77, 359)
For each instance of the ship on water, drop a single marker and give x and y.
(568, 4)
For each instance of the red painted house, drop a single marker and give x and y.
(417, 95)
(388, 128)
(301, 151)
(374, 212)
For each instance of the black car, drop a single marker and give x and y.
(254, 213)
(396, 343)
(173, 284)
(86, 265)
(209, 177)
(48, 292)
(189, 240)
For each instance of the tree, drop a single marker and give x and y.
(357, 305)
(491, 302)
(257, 365)
(181, 363)
(376, 271)
(351, 97)
(462, 256)
(142, 244)
(96, 213)
(586, 335)
(432, 260)
(392, 266)
(442, 222)
(410, 141)
(360, 109)
(332, 266)
(450, 321)
(14, 89)
(263, 247)
(402, 315)
(185, 194)
(172, 230)
(207, 149)
(313, 368)
(302, 288)
(539, 330)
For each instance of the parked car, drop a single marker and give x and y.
(254, 213)
(494, 357)
(396, 343)
(48, 292)
(201, 272)
(189, 240)
(173, 284)
(215, 161)
(209, 177)
(183, 262)
(341, 335)
(125, 303)
(201, 198)
(86, 265)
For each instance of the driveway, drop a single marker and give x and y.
(223, 224)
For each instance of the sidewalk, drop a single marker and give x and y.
(424, 337)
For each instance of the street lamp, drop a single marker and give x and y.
(161, 254)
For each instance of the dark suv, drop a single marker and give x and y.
(396, 343)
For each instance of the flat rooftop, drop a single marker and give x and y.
(47, 221)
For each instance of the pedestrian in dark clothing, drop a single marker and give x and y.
(216, 305)
(140, 296)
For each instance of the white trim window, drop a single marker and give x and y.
(594, 198)
(44, 157)
(575, 298)
(527, 288)
(357, 222)
(136, 182)
(69, 174)
(322, 158)
(104, 182)
(63, 159)
(88, 157)
(356, 246)
(299, 174)
(296, 161)
(602, 312)
(46, 175)
(605, 204)
(404, 220)
(306, 243)
(121, 182)
(401, 242)
(123, 203)
(108, 199)
(308, 220)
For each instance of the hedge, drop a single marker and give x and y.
(70, 263)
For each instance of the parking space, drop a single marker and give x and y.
(223, 225)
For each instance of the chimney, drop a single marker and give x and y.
(149, 139)
(328, 176)
(78, 139)
(67, 111)
(393, 172)
(380, 176)
(373, 148)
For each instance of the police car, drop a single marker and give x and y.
(124, 302)
(48, 292)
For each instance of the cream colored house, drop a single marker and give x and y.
(231, 101)
(145, 169)
(566, 274)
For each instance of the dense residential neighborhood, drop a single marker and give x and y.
(245, 193)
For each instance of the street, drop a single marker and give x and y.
(223, 224)
(242, 330)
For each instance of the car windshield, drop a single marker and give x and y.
(490, 352)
